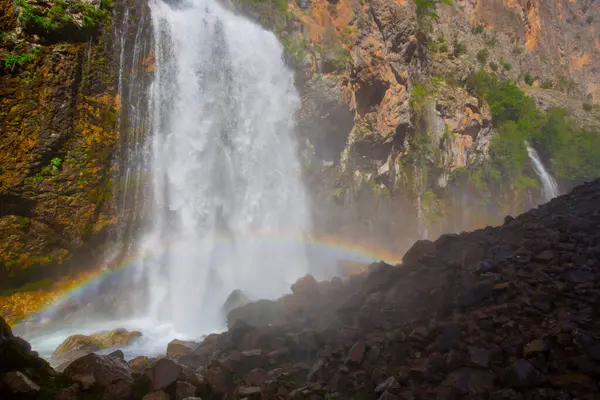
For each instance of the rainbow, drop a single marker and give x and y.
(334, 246)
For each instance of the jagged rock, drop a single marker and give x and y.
(76, 346)
(470, 381)
(107, 373)
(236, 299)
(19, 383)
(306, 286)
(521, 374)
(160, 395)
(184, 390)
(139, 363)
(163, 373)
(357, 352)
(250, 392)
(479, 357)
(179, 348)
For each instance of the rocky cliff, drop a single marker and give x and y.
(60, 115)
(502, 313)
(391, 120)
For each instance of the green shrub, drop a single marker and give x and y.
(13, 60)
(589, 19)
(483, 55)
(459, 48)
(443, 48)
(588, 106)
(493, 66)
(507, 66)
(547, 84)
(427, 13)
(56, 162)
(529, 79)
(60, 15)
(477, 29)
(295, 48)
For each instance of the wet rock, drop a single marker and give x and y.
(184, 390)
(139, 363)
(250, 392)
(470, 381)
(179, 348)
(449, 338)
(506, 394)
(306, 286)
(535, 347)
(117, 354)
(389, 384)
(160, 395)
(215, 376)
(418, 251)
(19, 383)
(76, 346)
(474, 294)
(236, 298)
(521, 374)
(256, 377)
(164, 373)
(388, 396)
(580, 276)
(479, 357)
(357, 352)
(93, 370)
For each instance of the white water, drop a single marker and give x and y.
(225, 178)
(224, 166)
(549, 186)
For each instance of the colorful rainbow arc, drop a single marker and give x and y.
(345, 247)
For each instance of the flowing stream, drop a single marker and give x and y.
(549, 186)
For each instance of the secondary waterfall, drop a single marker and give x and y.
(226, 180)
(549, 186)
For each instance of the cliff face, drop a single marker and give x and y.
(59, 109)
(391, 121)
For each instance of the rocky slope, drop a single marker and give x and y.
(499, 313)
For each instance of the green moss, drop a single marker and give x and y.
(11, 60)
(294, 48)
(62, 15)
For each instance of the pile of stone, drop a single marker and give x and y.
(504, 313)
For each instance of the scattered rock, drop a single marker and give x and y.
(357, 352)
(179, 348)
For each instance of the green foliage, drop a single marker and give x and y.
(13, 60)
(29, 287)
(56, 162)
(62, 14)
(423, 93)
(295, 48)
(427, 13)
(493, 66)
(574, 153)
(443, 48)
(332, 50)
(588, 106)
(459, 47)
(589, 19)
(483, 55)
(477, 29)
(507, 66)
(529, 79)
(547, 84)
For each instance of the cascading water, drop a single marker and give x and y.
(225, 208)
(549, 186)
(224, 166)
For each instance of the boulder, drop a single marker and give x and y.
(18, 383)
(236, 299)
(77, 346)
(184, 390)
(179, 348)
(164, 373)
(94, 370)
(306, 286)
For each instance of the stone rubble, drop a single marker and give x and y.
(502, 313)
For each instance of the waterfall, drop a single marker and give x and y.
(549, 186)
(227, 204)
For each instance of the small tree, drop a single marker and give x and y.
(483, 55)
